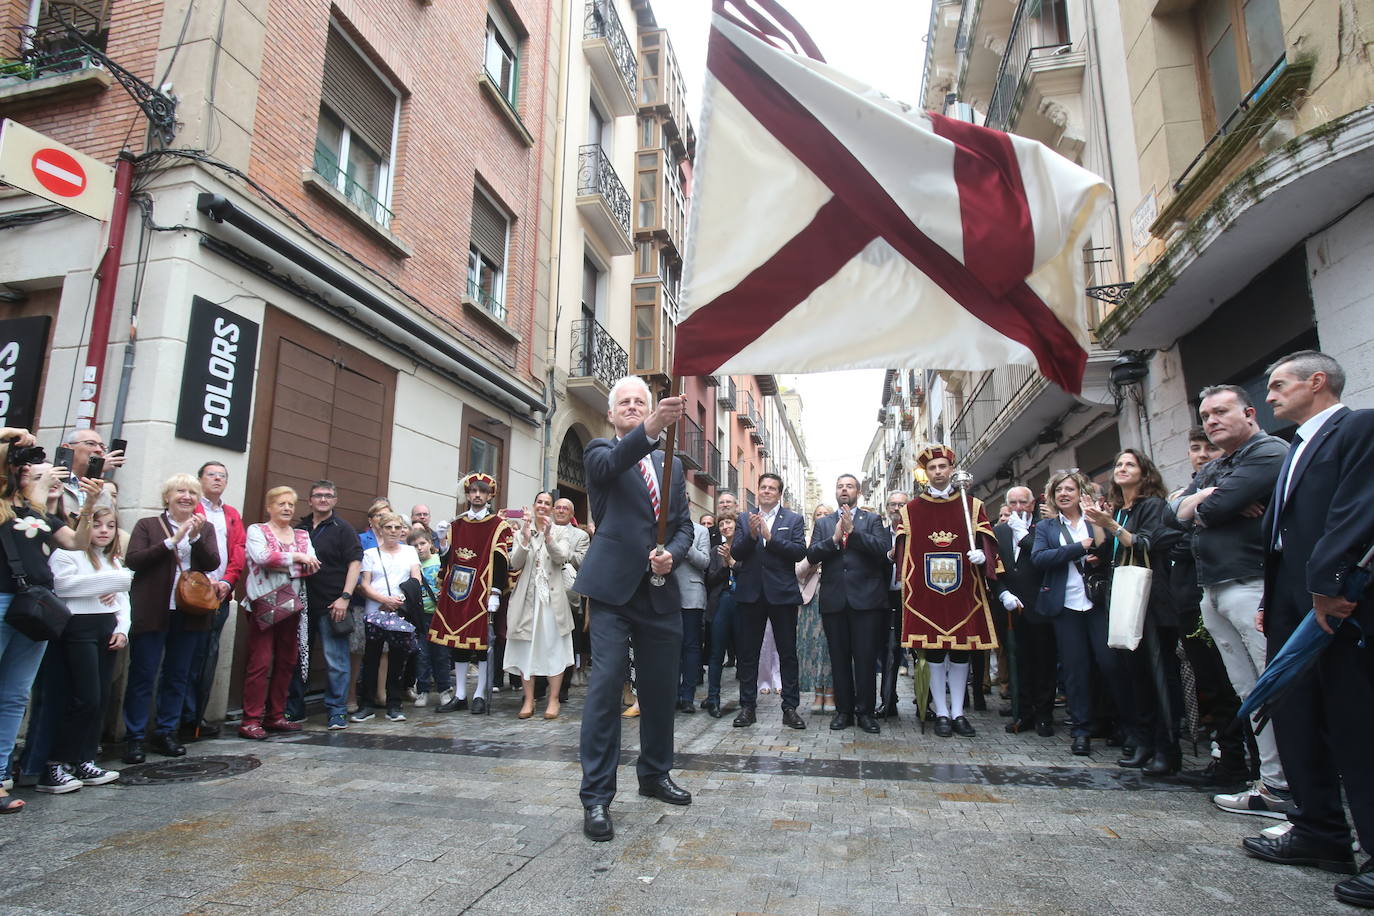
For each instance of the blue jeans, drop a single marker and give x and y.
(204, 661)
(691, 654)
(433, 666)
(336, 666)
(722, 636)
(19, 661)
(173, 650)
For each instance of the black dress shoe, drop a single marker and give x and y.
(167, 746)
(1359, 890)
(208, 730)
(842, 721)
(791, 719)
(1165, 762)
(1215, 776)
(1017, 726)
(686, 706)
(712, 709)
(596, 823)
(886, 710)
(1290, 849)
(943, 727)
(665, 790)
(1045, 728)
(1082, 745)
(745, 718)
(479, 707)
(452, 705)
(964, 728)
(1138, 759)
(869, 724)
(133, 751)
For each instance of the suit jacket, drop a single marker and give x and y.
(691, 575)
(1020, 575)
(766, 572)
(1053, 559)
(1327, 522)
(626, 529)
(855, 575)
(155, 569)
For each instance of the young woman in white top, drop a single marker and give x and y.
(95, 586)
(384, 568)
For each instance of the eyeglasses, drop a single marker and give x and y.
(393, 527)
(324, 496)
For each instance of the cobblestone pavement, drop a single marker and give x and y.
(455, 813)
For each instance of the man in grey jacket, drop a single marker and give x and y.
(691, 582)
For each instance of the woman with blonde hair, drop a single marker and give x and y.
(76, 685)
(162, 635)
(384, 568)
(279, 558)
(25, 532)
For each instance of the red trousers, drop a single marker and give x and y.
(272, 653)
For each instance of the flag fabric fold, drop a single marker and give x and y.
(834, 228)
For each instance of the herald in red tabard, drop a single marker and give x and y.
(944, 597)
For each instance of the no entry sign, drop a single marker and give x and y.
(42, 166)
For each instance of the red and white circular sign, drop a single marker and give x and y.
(59, 172)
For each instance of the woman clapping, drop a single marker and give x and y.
(539, 620)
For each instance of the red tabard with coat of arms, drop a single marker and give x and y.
(945, 598)
(477, 551)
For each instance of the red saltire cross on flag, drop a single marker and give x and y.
(834, 228)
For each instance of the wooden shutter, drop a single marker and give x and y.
(354, 92)
(488, 230)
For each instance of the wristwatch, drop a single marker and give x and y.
(347, 596)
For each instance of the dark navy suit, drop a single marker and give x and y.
(624, 606)
(1033, 634)
(853, 603)
(1325, 725)
(766, 591)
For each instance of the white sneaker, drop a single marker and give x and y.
(1258, 800)
(57, 781)
(445, 698)
(421, 701)
(92, 775)
(1277, 830)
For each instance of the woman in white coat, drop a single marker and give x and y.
(539, 621)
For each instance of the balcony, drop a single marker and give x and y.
(40, 73)
(597, 363)
(662, 90)
(660, 204)
(691, 447)
(710, 474)
(733, 479)
(611, 55)
(725, 394)
(1038, 67)
(710, 381)
(326, 165)
(760, 437)
(746, 412)
(979, 46)
(602, 199)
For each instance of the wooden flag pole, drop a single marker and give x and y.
(674, 389)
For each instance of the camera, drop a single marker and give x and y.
(21, 456)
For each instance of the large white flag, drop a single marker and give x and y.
(834, 228)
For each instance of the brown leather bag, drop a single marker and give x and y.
(196, 594)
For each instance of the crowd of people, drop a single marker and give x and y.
(834, 606)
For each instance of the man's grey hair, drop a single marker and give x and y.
(892, 493)
(627, 381)
(1019, 486)
(1305, 362)
(71, 436)
(1241, 394)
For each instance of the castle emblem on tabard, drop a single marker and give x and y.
(944, 572)
(460, 582)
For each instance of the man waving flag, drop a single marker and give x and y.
(834, 228)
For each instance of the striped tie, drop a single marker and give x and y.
(646, 470)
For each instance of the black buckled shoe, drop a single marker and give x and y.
(745, 718)
(1290, 849)
(665, 790)
(869, 724)
(964, 728)
(841, 721)
(596, 823)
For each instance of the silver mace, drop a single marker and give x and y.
(963, 480)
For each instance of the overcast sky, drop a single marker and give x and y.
(881, 42)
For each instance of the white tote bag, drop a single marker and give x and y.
(1130, 597)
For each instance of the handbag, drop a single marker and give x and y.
(34, 610)
(195, 593)
(1129, 599)
(390, 620)
(277, 605)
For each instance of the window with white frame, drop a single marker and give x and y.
(355, 139)
(501, 57)
(487, 255)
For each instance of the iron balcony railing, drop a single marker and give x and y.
(725, 394)
(1037, 30)
(692, 448)
(489, 303)
(602, 21)
(734, 478)
(985, 407)
(595, 353)
(746, 411)
(35, 63)
(596, 175)
(963, 39)
(327, 167)
(761, 437)
(929, 64)
(709, 473)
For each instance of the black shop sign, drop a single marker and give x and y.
(23, 345)
(217, 380)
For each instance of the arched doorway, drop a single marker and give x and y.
(572, 476)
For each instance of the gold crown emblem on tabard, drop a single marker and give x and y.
(942, 538)
(466, 553)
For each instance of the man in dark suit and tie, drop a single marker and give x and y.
(1032, 644)
(1317, 527)
(769, 540)
(851, 546)
(624, 478)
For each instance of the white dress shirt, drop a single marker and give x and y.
(1075, 593)
(1308, 430)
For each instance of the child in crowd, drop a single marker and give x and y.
(433, 663)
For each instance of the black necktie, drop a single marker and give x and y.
(1281, 494)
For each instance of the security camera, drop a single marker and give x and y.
(1128, 368)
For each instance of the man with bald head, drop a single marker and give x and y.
(1033, 639)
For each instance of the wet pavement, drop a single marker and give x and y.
(460, 813)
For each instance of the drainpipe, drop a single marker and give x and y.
(108, 275)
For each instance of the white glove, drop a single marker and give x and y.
(493, 603)
(976, 557)
(1019, 522)
(1009, 601)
